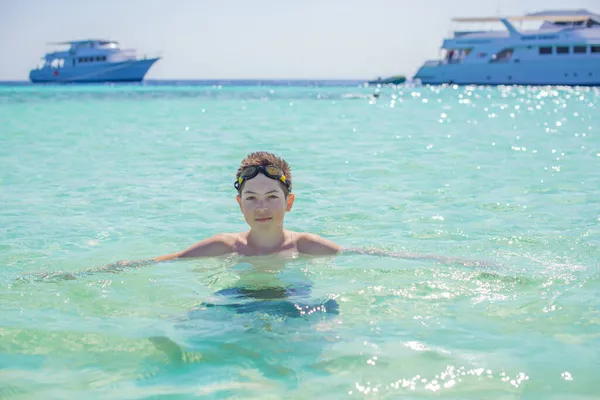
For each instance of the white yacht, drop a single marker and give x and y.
(92, 60)
(564, 50)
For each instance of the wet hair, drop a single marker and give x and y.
(264, 158)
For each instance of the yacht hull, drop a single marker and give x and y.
(581, 72)
(125, 71)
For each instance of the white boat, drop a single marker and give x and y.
(92, 60)
(564, 50)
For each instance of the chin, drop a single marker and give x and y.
(270, 223)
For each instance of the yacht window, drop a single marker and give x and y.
(57, 63)
(595, 49)
(562, 49)
(591, 23)
(579, 49)
(504, 55)
(545, 50)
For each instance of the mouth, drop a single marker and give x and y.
(262, 219)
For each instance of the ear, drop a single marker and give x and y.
(290, 202)
(239, 200)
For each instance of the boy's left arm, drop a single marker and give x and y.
(414, 256)
(315, 245)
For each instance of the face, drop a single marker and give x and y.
(263, 202)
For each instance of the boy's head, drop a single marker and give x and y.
(281, 172)
(264, 183)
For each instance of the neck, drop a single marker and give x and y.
(266, 240)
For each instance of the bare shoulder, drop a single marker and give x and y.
(311, 244)
(214, 246)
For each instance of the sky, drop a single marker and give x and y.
(252, 39)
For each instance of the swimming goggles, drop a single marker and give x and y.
(270, 171)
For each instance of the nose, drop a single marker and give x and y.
(262, 208)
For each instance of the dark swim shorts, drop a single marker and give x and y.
(274, 301)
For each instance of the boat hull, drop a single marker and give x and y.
(569, 73)
(126, 71)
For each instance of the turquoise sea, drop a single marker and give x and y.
(91, 175)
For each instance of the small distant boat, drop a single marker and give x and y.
(392, 80)
(92, 60)
(352, 96)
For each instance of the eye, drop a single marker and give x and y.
(250, 198)
(273, 196)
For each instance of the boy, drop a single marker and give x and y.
(264, 185)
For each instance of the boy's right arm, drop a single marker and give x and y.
(214, 246)
(218, 245)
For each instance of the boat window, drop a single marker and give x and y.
(456, 56)
(57, 63)
(579, 49)
(504, 55)
(545, 50)
(562, 49)
(595, 49)
(567, 23)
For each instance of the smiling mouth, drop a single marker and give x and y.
(263, 219)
